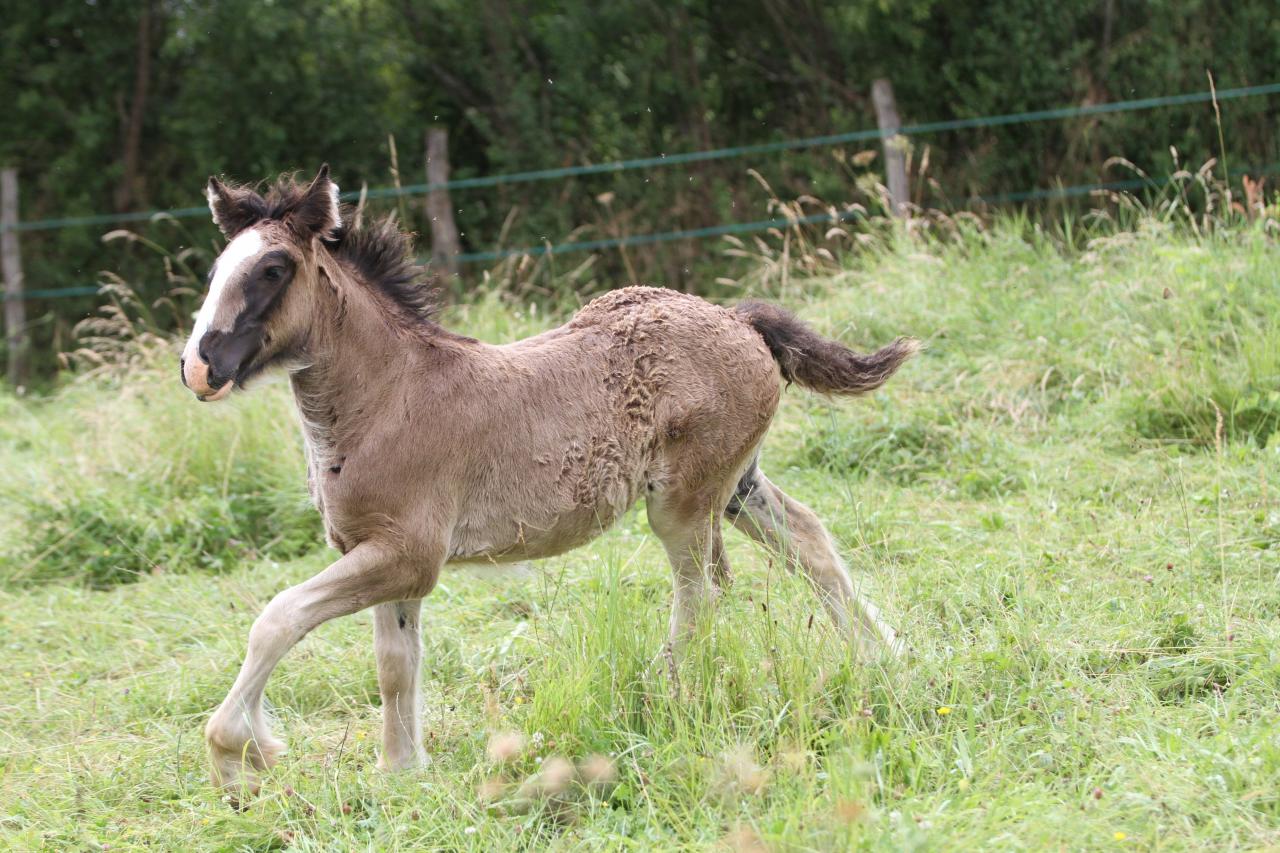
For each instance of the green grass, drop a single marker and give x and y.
(1067, 504)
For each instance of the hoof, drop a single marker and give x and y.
(890, 649)
(412, 761)
(235, 769)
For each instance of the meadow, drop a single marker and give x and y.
(1067, 504)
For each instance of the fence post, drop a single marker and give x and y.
(895, 160)
(15, 310)
(444, 231)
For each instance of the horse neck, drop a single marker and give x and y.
(353, 363)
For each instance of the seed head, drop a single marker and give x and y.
(505, 746)
(740, 774)
(597, 774)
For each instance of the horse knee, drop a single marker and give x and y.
(274, 626)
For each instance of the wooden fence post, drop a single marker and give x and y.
(15, 310)
(895, 159)
(445, 245)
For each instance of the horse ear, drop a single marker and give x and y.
(234, 208)
(318, 212)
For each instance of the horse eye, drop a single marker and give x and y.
(273, 273)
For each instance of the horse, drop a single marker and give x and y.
(426, 448)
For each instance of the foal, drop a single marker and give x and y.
(425, 447)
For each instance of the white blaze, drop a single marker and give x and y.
(239, 252)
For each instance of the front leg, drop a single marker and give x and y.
(397, 642)
(240, 744)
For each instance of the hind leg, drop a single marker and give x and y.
(765, 513)
(688, 534)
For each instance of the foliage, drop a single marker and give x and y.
(249, 89)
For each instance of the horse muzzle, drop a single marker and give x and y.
(196, 376)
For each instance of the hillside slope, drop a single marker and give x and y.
(1068, 504)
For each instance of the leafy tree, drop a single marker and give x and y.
(130, 105)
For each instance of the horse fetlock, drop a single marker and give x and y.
(238, 772)
(889, 644)
(234, 746)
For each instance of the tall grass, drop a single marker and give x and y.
(105, 485)
(1067, 504)
(1169, 325)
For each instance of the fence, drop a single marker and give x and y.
(886, 133)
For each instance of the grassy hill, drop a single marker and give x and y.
(1068, 504)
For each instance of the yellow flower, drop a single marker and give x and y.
(1120, 836)
(360, 735)
(943, 711)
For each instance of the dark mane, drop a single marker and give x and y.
(382, 254)
(379, 252)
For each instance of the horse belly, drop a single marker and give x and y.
(510, 540)
(547, 523)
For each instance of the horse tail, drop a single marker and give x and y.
(818, 363)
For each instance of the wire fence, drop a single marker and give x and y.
(664, 160)
(1041, 194)
(663, 236)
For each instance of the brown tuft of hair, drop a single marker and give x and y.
(820, 364)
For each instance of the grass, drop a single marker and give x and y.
(1066, 504)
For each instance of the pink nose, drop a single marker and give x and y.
(196, 372)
